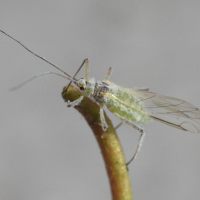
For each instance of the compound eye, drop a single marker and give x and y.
(81, 88)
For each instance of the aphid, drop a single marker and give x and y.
(131, 106)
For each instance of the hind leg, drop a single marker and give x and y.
(142, 135)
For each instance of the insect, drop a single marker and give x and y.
(131, 106)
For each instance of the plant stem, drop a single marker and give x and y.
(109, 144)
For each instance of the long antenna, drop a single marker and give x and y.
(36, 54)
(38, 76)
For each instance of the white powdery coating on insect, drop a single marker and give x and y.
(103, 121)
(134, 115)
(90, 87)
(77, 101)
(81, 82)
(116, 104)
(124, 103)
(114, 88)
(122, 108)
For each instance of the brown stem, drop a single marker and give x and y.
(109, 144)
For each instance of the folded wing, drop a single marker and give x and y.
(171, 111)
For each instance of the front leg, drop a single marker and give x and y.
(75, 102)
(102, 118)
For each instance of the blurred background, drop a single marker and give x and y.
(44, 154)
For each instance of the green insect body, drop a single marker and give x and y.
(124, 105)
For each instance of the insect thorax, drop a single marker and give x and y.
(95, 90)
(101, 88)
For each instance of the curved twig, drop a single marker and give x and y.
(109, 144)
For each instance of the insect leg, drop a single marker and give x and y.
(118, 125)
(142, 135)
(143, 89)
(102, 119)
(84, 62)
(75, 102)
(108, 74)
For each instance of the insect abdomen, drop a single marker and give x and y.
(124, 105)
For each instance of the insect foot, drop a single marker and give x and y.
(103, 125)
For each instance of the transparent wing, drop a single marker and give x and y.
(171, 111)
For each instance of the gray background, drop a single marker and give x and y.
(47, 151)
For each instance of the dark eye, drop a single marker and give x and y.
(81, 88)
